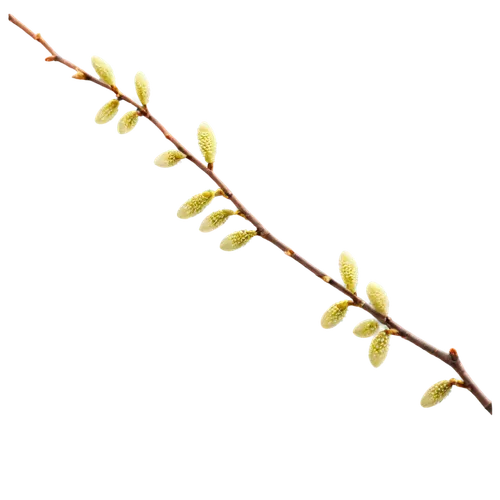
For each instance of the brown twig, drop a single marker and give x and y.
(450, 358)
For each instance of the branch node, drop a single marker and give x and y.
(289, 252)
(51, 58)
(326, 278)
(453, 354)
(355, 303)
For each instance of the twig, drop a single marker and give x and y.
(450, 358)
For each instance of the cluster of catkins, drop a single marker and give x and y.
(379, 346)
(370, 329)
(208, 147)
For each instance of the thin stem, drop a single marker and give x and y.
(450, 358)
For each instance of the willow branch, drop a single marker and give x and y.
(451, 358)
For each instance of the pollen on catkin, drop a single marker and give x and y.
(169, 158)
(207, 143)
(348, 271)
(436, 393)
(104, 70)
(215, 220)
(237, 240)
(366, 328)
(379, 349)
(127, 122)
(335, 314)
(142, 88)
(107, 112)
(196, 204)
(378, 298)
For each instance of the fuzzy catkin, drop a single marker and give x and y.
(107, 112)
(142, 88)
(207, 142)
(378, 298)
(195, 205)
(348, 271)
(335, 314)
(379, 349)
(169, 158)
(127, 122)
(366, 328)
(215, 220)
(436, 393)
(104, 70)
(237, 240)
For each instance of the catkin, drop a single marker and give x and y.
(365, 328)
(348, 269)
(236, 239)
(195, 205)
(207, 142)
(436, 394)
(107, 112)
(379, 350)
(378, 297)
(128, 122)
(331, 317)
(103, 69)
(142, 88)
(169, 158)
(216, 219)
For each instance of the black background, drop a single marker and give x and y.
(347, 130)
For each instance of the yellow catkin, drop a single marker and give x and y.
(436, 393)
(366, 328)
(127, 122)
(207, 143)
(335, 314)
(107, 112)
(215, 220)
(169, 158)
(104, 70)
(379, 349)
(142, 88)
(348, 271)
(378, 298)
(195, 205)
(237, 240)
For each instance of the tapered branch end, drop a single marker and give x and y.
(492, 409)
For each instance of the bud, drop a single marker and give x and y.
(379, 349)
(107, 112)
(206, 140)
(237, 240)
(215, 220)
(366, 328)
(104, 70)
(348, 271)
(195, 205)
(335, 314)
(378, 298)
(436, 393)
(127, 122)
(79, 76)
(169, 158)
(142, 88)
